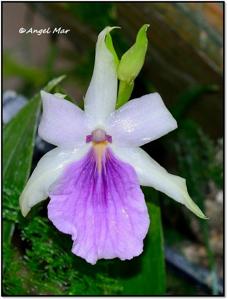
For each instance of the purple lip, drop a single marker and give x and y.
(104, 211)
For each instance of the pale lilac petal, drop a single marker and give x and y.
(140, 121)
(63, 123)
(100, 99)
(103, 209)
(150, 173)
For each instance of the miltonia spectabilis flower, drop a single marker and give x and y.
(93, 177)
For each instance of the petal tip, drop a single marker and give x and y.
(25, 212)
(24, 207)
(175, 125)
(146, 26)
(196, 210)
(202, 216)
(110, 28)
(105, 31)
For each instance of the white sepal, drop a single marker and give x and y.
(47, 171)
(100, 98)
(150, 173)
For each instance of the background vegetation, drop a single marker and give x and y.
(183, 255)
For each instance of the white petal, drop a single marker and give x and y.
(150, 173)
(63, 123)
(48, 169)
(140, 121)
(101, 95)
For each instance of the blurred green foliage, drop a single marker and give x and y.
(37, 258)
(196, 154)
(97, 15)
(12, 67)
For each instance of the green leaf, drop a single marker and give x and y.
(53, 84)
(18, 141)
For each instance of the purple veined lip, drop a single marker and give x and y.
(101, 207)
(97, 136)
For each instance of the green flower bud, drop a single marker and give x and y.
(132, 61)
(109, 45)
(124, 93)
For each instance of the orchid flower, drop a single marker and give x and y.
(94, 174)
